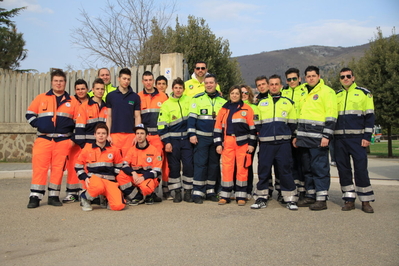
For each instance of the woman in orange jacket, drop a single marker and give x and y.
(234, 136)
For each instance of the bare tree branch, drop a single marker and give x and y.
(118, 35)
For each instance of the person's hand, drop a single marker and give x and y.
(87, 182)
(365, 143)
(168, 147)
(219, 149)
(250, 149)
(324, 142)
(137, 179)
(194, 140)
(294, 143)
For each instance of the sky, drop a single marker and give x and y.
(250, 26)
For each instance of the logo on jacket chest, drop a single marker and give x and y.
(315, 97)
(204, 111)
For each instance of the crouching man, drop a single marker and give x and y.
(141, 170)
(98, 165)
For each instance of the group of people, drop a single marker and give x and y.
(119, 146)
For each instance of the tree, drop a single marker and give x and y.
(12, 43)
(196, 42)
(378, 70)
(119, 33)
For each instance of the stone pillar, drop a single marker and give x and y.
(171, 66)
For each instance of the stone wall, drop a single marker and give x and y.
(16, 142)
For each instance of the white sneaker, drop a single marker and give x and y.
(292, 206)
(259, 204)
(70, 198)
(86, 206)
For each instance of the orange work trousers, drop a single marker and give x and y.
(123, 141)
(48, 154)
(234, 155)
(155, 140)
(127, 185)
(99, 186)
(73, 184)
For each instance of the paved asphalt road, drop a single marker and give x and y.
(189, 234)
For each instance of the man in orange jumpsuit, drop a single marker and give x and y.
(151, 101)
(53, 115)
(103, 163)
(141, 170)
(73, 185)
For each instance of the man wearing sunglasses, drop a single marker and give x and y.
(296, 92)
(352, 135)
(196, 84)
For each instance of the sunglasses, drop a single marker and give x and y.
(347, 76)
(202, 68)
(245, 92)
(292, 79)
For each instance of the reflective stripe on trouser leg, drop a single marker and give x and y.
(214, 173)
(320, 167)
(58, 165)
(297, 169)
(234, 155)
(250, 183)
(125, 183)
(174, 158)
(41, 159)
(265, 161)
(73, 185)
(283, 161)
(307, 173)
(187, 162)
(201, 158)
(344, 148)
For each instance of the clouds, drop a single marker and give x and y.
(32, 6)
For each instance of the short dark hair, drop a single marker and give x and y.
(101, 125)
(275, 76)
(210, 75)
(261, 78)
(201, 62)
(58, 73)
(178, 81)
(346, 69)
(147, 73)
(125, 71)
(312, 68)
(292, 70)
(161, 77)
(80, 82)
(98, 81)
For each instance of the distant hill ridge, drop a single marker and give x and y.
(277, 62)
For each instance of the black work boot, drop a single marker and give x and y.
(318, 205)
(177, 197)
(55, 201)
(34, 202)
(187, 195)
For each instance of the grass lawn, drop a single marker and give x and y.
(381, 148)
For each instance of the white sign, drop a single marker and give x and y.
(168, 73)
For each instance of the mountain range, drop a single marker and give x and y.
(277, 62)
